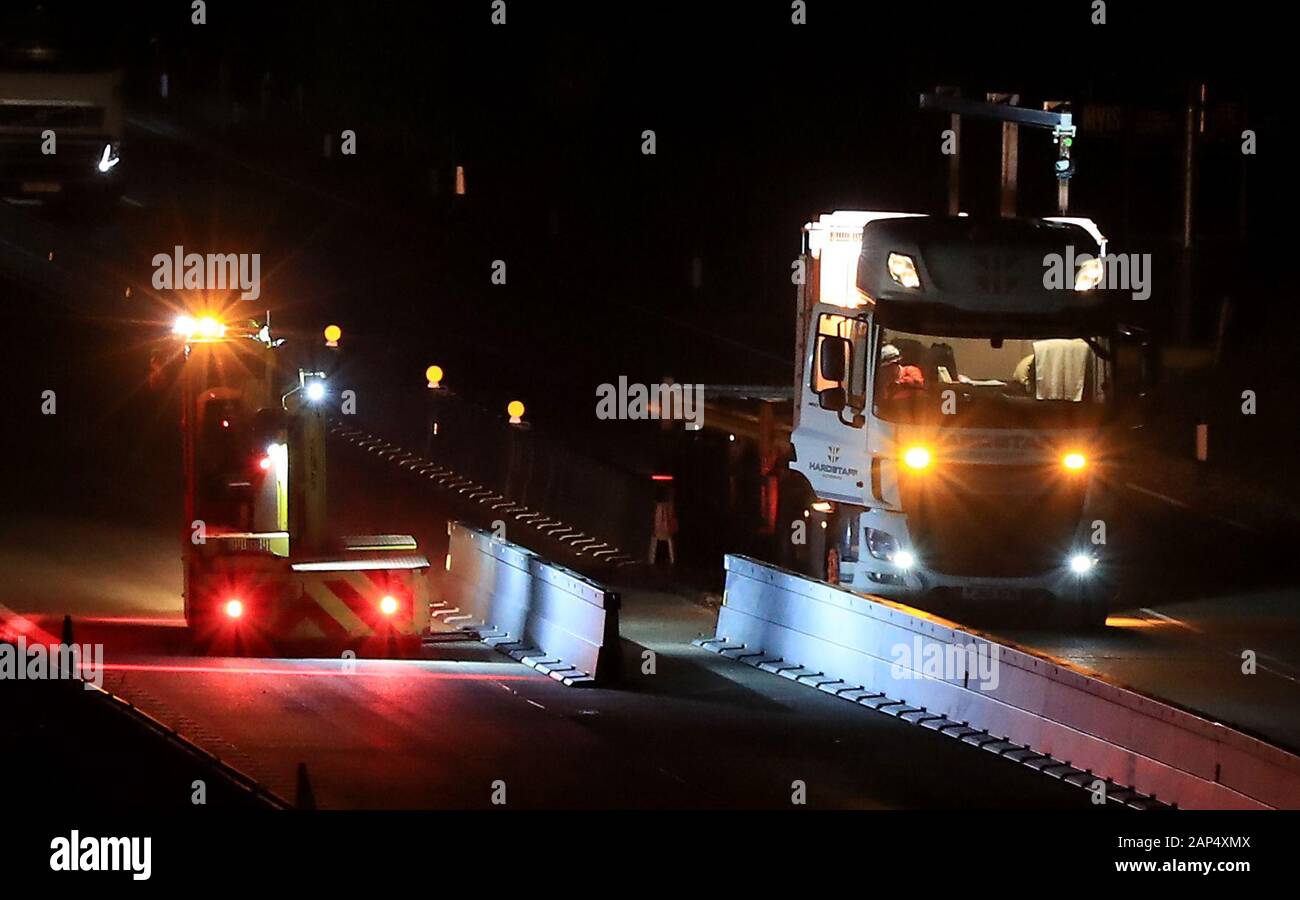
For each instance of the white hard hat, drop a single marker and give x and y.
(888, 354)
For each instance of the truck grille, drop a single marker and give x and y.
(993, 521)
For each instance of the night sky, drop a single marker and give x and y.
(760, 126)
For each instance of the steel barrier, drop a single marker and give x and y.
(542, 614)
(1027, 706)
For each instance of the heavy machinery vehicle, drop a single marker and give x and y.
(957, 418)
(61, 114)
(260, 570)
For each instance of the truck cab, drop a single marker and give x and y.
(958, 397)
(61, 110)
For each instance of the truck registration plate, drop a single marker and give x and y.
(981, 593)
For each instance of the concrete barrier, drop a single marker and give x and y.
(1036, 710)
(542, 614)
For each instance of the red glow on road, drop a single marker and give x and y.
(395, 672)
(14, 626)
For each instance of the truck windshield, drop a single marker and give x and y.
(982, 382)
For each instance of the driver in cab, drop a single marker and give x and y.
(897, 380)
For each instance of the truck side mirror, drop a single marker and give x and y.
(833, 398)
(834, 353)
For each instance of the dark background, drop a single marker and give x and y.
(760, 126)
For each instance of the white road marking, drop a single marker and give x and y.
(1173, 501)
(1277, 667)
(1170, 619)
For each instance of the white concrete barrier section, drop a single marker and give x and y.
(542, 614)
(849, 645)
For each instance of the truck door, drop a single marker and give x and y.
(830, 439)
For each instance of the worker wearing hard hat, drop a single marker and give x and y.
(895, 379)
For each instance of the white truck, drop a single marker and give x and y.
(60, 118)
(956, 417)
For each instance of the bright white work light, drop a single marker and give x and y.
(108, 159)
(902, 268)
(1089, 274)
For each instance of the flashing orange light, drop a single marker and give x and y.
(207, 328)
(388, 605)
(516, 410)
(433, 375)
(917, 458)
(1074, 461)
(332, 335)
(234, 608)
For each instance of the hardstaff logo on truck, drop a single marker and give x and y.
(831, 467)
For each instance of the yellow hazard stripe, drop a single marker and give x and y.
(327, 600)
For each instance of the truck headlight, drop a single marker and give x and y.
(902, 268)
(1082, 563)
(108, 158)
(884, 546)
(917, 457)
(881, 544)
(1074, 461)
